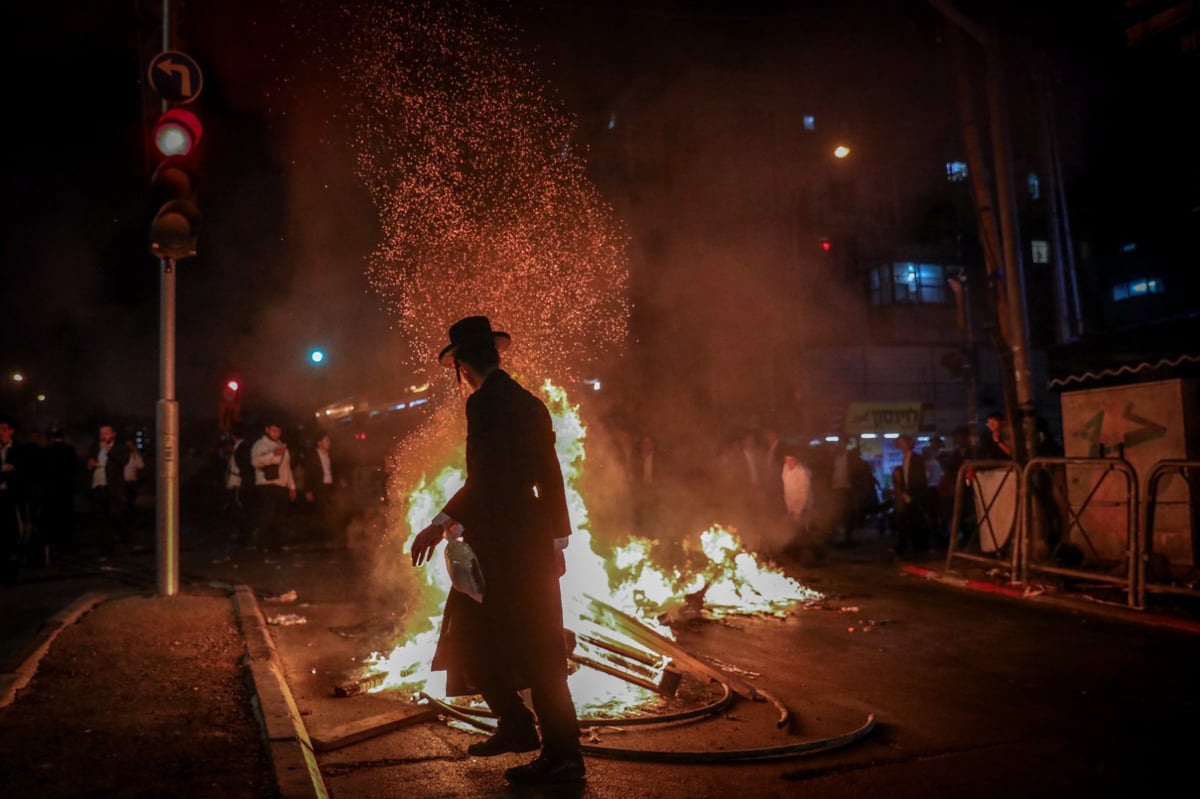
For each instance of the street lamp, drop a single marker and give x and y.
(18, 377)
(317, 356)
(841, 151)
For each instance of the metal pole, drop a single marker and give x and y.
(167, 409)
(1064, 215)
(1014, 271)
(167, 418)
(1063, 326)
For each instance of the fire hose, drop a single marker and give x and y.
(475, 717)
(666, 648)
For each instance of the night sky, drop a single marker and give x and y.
(282, 266)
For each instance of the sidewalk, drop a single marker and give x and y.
(1109, 600)
(119, 692)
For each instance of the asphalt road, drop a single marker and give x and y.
(971, 693)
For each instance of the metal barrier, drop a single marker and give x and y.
(1031, 560)
(987, 542)
(1189, 470)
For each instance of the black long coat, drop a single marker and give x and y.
(512, 507)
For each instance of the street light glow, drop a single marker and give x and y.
(316, 356)
(18, 377)
(841, 151)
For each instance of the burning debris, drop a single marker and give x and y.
(617, 609)
(684, 683)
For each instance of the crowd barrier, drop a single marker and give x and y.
(1188, 471)
(1088, 519)
(983, 533)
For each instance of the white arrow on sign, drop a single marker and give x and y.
(169, 67)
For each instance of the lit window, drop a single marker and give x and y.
(1040, 250)
(1137, 288)
(956, 171)
(1035, 186)
(908, 283)
(810, 122)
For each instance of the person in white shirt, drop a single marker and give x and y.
(274, 486)
(106, 464)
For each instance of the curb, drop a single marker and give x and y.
(1110, 611)
(296, 772)
(29, 658)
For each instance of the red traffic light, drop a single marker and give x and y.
(826, 245)
(177, 132)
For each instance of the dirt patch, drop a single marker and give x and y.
(146, 697)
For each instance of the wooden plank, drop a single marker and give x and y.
(355, 731)
(618, 620)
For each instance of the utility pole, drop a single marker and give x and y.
(1014, 273)
(1070, 318)
(167, 409)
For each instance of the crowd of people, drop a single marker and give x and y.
(268, 488)
(55, 491)
(782, 497)
(41, 482)
(799, 499)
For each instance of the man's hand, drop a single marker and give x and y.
(424, 544)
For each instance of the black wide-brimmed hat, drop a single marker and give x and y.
(473, 330)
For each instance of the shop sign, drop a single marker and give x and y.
(883, 417)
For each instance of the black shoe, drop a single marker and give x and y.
(545, 770)
(503, 742)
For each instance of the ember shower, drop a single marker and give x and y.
(484, 206)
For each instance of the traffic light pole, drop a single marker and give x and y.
(167, 409)
(168, 439)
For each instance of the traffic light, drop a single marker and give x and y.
(229, 410)
(176, 138)
(826, 245)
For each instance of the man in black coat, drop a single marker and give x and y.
(512, 512)
(60, 478)
(913, 522)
